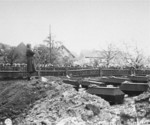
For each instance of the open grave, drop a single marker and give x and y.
(112, 89)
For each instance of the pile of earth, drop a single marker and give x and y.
(63, 105)
(142, 103)
(53, 102)
(17, 97)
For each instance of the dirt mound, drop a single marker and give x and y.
(63, 104)
(56, 103)
(142, 103)
(17, 97)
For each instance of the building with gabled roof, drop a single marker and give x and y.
(66, 52)
(21, 51)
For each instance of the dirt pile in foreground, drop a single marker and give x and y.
(64, 104)
(142, 104)
(17, 97)
(56, 103)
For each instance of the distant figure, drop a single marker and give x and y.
(30, 61)
(132, 71)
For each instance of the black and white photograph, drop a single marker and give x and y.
(74, 62)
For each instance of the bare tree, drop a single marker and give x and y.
(42, 55)
(147, 62)
(134, 58)
(3, 53)
(109, 54)
(66, 61)
(52, 49)
(10, 56)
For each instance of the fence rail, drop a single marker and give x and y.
(23, 68)
(20, 71)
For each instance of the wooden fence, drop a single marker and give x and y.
(23, 68)
(20, 72)
(106, 72)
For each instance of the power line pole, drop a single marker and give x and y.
(50, 42)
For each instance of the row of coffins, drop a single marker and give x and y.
(131, 85)
(112, 89)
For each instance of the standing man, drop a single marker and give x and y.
(30, 61)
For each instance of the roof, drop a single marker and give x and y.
(21, 48)
(63, 47)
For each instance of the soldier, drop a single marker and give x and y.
(30, 61)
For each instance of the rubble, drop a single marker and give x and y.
(16, 98)
(126, 112)
(64, 102)
(142, 103)
(53, 102)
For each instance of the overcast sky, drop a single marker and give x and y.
(79, 24)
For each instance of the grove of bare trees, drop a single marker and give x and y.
(52, 54)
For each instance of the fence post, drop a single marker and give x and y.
(100, 72)
(66, 71)
(132, 71)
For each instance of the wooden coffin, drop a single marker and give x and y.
(139, 79)
(111, 94)
(134, 88)
(88, 83)
(115, 81)
(71, 82)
